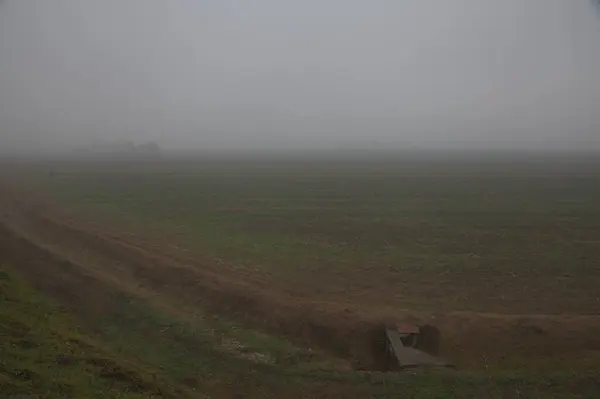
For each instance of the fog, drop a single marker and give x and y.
(271, 74)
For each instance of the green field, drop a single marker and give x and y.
(44, 353)
(49, 352)
(522, 235)
(509, 243)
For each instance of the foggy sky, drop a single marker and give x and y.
(303, 74)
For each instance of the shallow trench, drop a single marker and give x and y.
(37, 243)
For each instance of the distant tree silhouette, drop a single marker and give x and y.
(149, 148)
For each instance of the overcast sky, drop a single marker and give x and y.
(277, 73)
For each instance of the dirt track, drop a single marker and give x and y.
(88, 265)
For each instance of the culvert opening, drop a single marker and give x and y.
(394, 347)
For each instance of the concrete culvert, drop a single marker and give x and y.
(393, 347)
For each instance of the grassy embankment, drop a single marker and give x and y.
(45, 353)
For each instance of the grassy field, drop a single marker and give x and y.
(46, 352)
(510, 243)
(487, 235)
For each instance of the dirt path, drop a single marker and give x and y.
(60, 252)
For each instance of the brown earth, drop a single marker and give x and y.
(87, 266)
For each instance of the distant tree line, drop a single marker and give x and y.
(121, 149)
